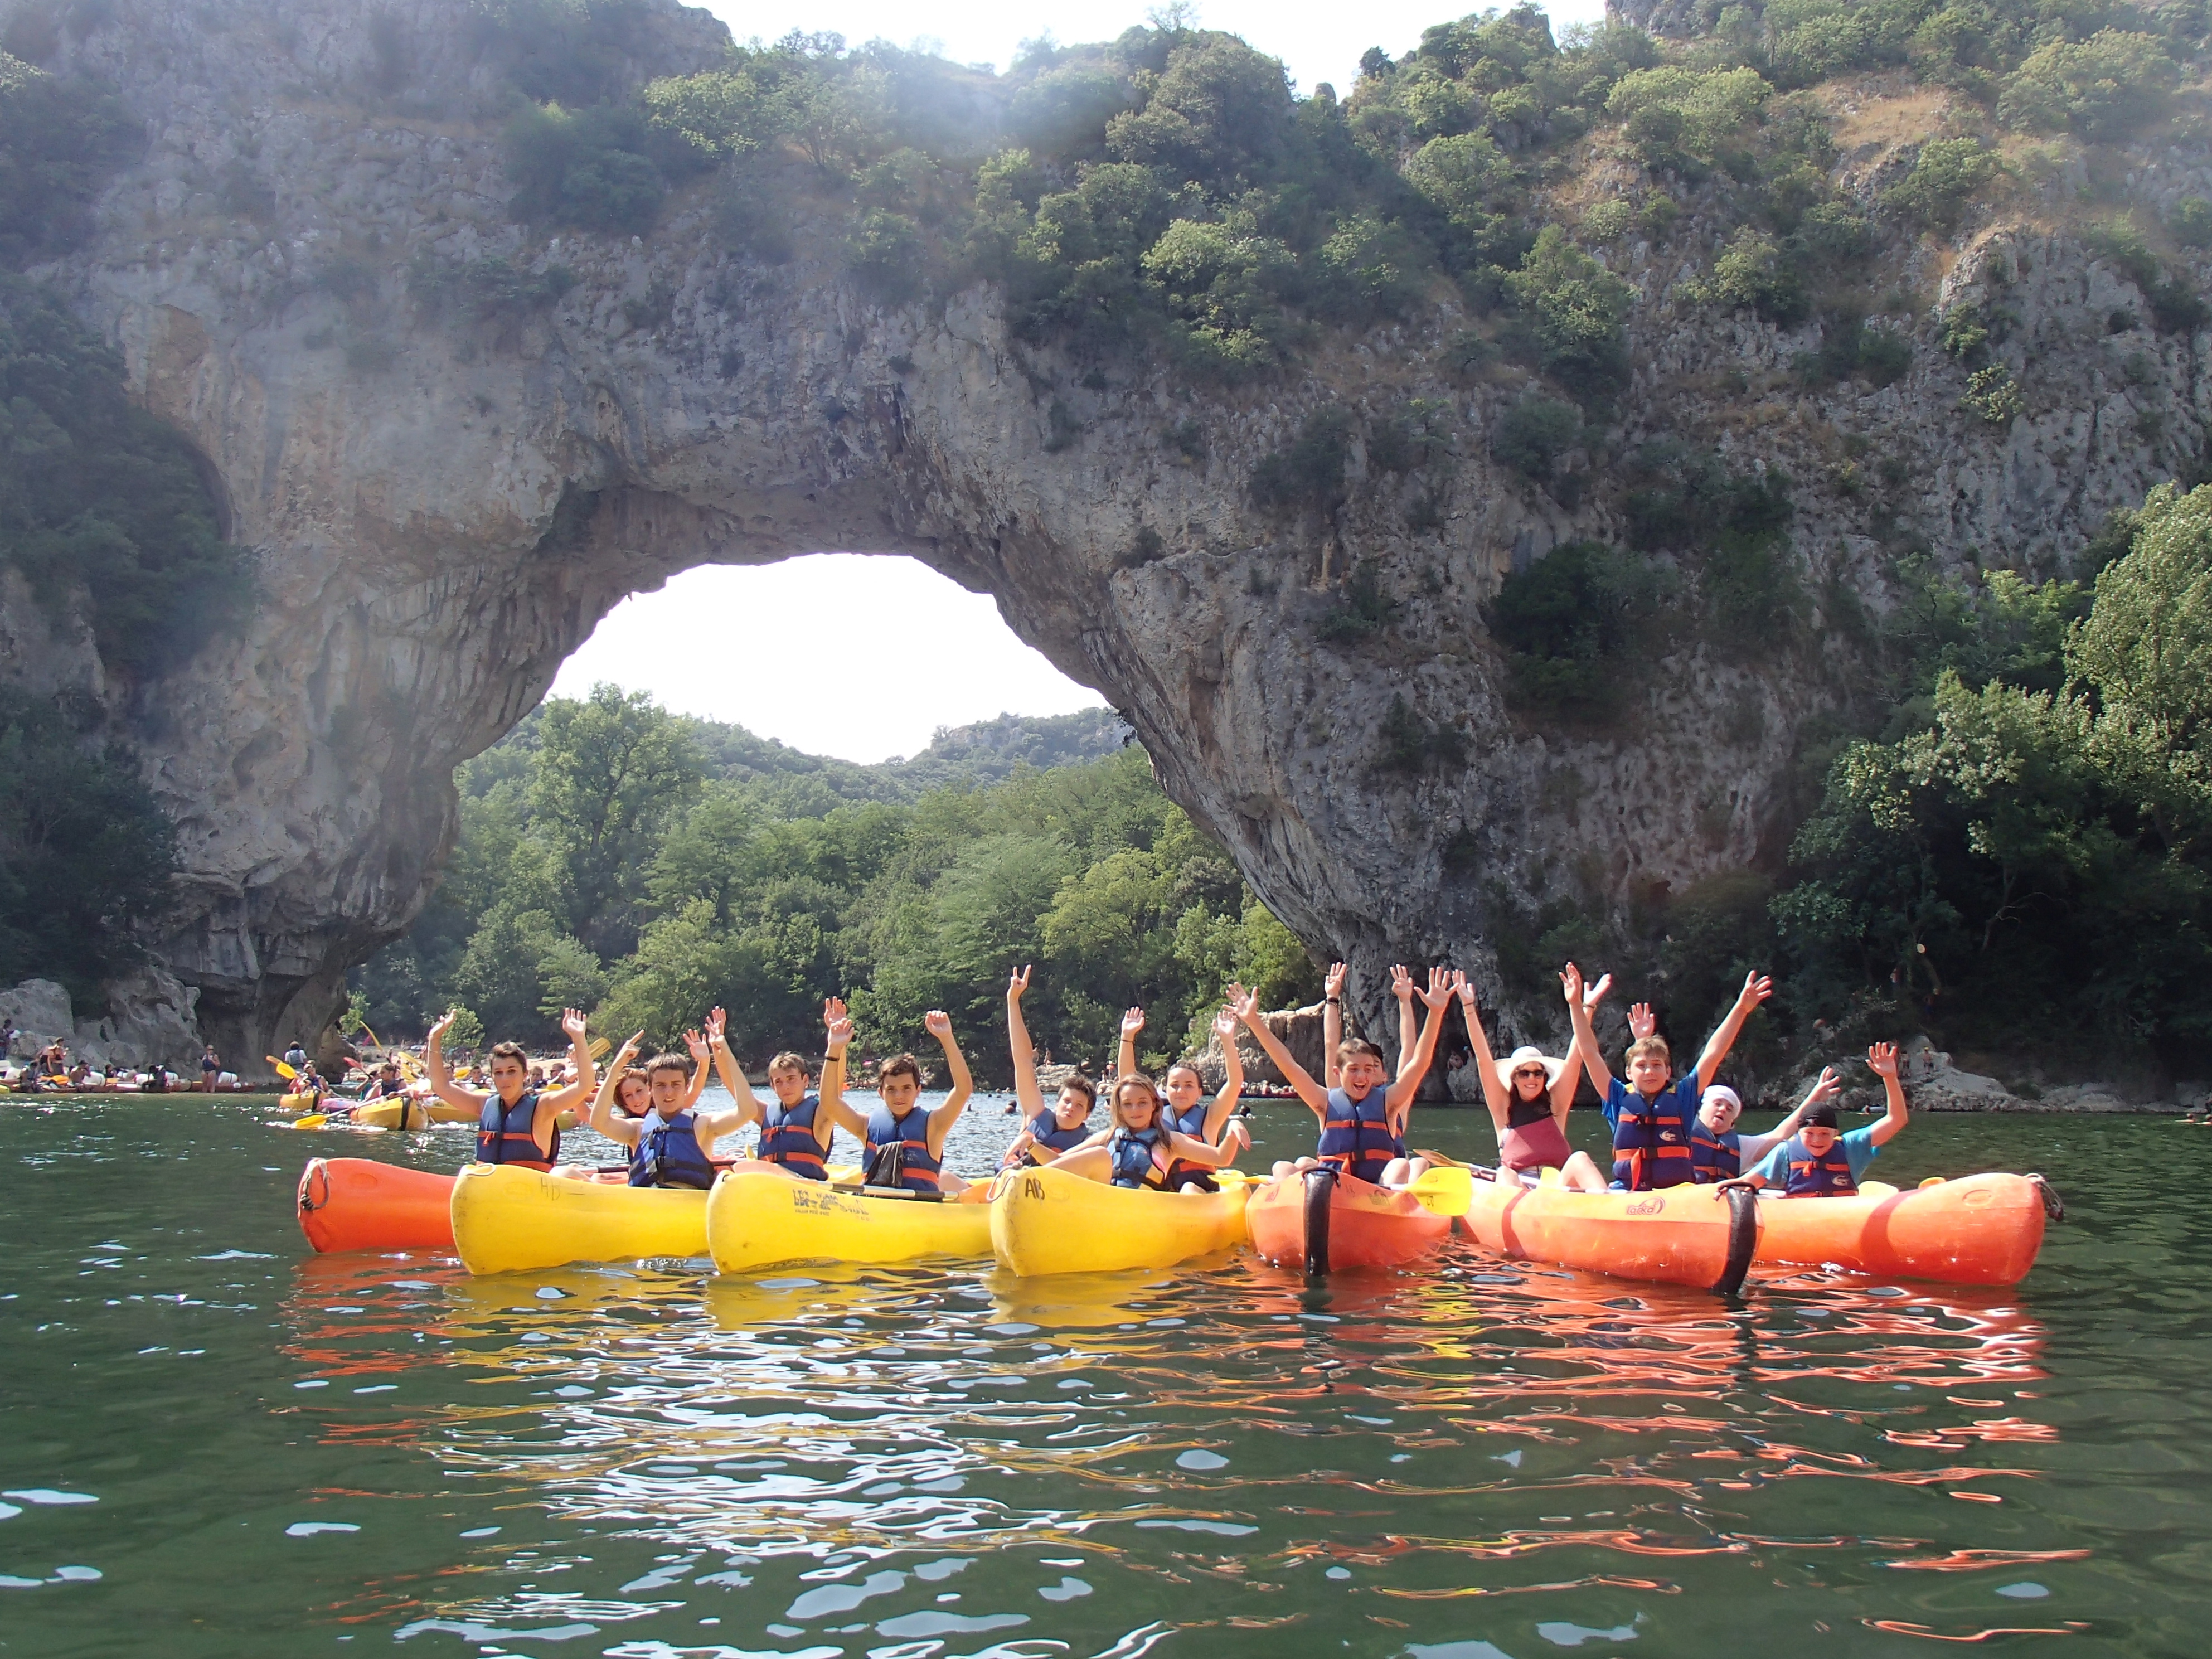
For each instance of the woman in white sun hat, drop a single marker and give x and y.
(1528, 1093)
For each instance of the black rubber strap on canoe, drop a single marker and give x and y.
(1320, 1186)
(1743, 1239)
(2053, 1206)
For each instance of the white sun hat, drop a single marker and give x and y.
(1520, 1057)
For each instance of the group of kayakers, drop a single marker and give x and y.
(1170, 1135)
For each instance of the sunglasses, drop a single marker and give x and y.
(1531, 1071)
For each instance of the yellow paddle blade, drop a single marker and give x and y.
(282, 1070)
(313, 1121)
(1446, 1191)
(599, 1048)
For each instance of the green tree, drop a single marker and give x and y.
(612, 771)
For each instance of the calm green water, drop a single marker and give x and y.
(214, 1442)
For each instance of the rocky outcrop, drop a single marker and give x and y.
(1298, 1029)
(150, 1016)
(443, 509)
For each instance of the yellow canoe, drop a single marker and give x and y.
(1046, 1221)
(509, 1220)
(760, 1217)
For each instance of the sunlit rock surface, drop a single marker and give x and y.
(443, 509)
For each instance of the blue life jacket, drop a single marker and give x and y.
(670, 1156)
(786, 1138)
(918, 1171)
(1140, 1158)
(1714, 1158)
(1191, 1123)
(1044, 1129)
(1651, 1142)
(1828, 1176)
(503, 1134)
(1355, 1134)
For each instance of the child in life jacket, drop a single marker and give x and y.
(904, 1140)
(1820, 1161)
(1363, 1120)
(1651, 1117)
(1045, 1135)
(1140, 1150)
(1718, 1152)
(1184, 1108)
(515, 1124)
(672, 1144)
(796, 1126)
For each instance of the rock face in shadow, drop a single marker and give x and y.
(445, 501)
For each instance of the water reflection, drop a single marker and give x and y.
(941, 1452)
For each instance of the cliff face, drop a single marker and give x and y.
(444, 507)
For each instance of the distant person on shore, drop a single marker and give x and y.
(1650, 1115)
(295, 1056)
(210, 1068)
(1822, 1161)
(1183, 1107)
(515, 1124)
(1045, 1135)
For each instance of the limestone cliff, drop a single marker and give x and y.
(443, 509)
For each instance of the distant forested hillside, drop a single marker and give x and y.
(646, 867)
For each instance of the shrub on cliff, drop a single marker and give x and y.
(2104, 87)
(1572, 625)
(59, 142)
(86, 855)
(2035, 860)
(103, 507)
(1946, 177)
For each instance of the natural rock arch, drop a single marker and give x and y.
(444, 508)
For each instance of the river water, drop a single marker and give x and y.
(216, 1442)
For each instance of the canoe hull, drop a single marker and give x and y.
(1368, 1226)
(360, 1203)
(508, 1220)
(1979, 1229)
(1046, 1221)
(762, 1218)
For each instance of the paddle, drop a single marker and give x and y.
(282, 1070)
(1447, 1190)
(599, 1048)
(313, 1121)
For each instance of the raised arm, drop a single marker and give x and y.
(604, 1118)
(579, 1056)
(837, 1039)
(938, 1024)
(1881, 1059)
(1442, 987)
(731, 1074)
(1125, 1061)
(700, 1046)
(1757, 988)
(1751, 1148)
(1497, 1094)
(1331, 1020)
(1586, 1048)
(1232, 1076)
(1246, 1007)
(442, 1080)
(1409, 1035)
(1026, 1088)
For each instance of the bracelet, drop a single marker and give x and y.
(1338, 1001)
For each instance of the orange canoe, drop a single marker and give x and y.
(1979, 1229)
(1326, 1223)
(361, 1203)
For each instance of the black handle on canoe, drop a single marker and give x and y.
(1743, 1239)
(1320, 1186)
(2053, 1206)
